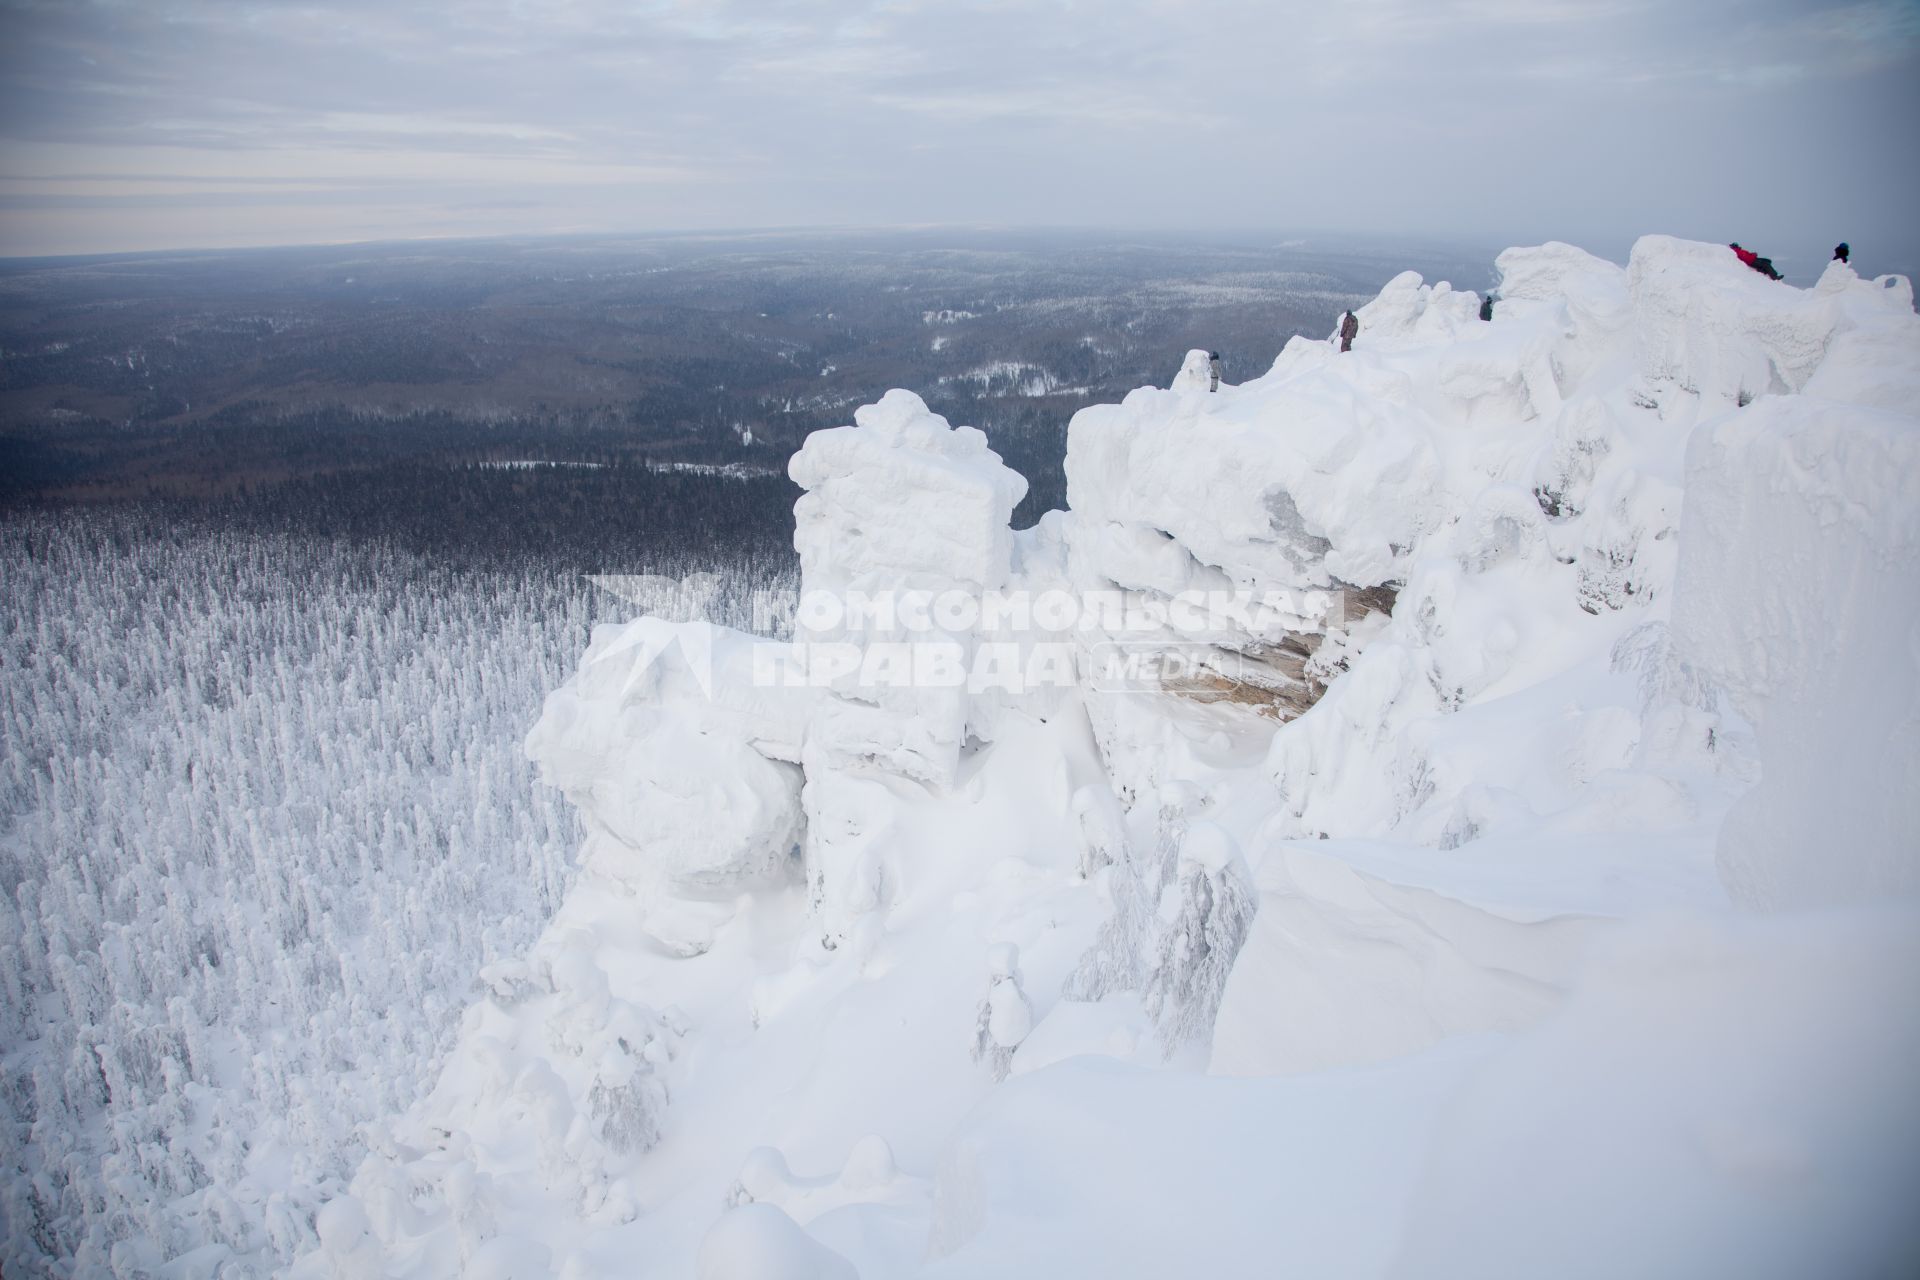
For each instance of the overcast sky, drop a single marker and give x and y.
(135, 124)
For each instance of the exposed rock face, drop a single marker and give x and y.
(1281, 679)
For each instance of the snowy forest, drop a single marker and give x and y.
(266, 817)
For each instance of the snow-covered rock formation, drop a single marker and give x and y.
(1331, 846)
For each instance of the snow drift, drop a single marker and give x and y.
(1408, 931)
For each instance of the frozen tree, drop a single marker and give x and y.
(1179, 917)
(1122, 954)
(1212, 904)
(1005, 1015)
(1102, 826)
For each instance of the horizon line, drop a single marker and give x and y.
(1477, 240)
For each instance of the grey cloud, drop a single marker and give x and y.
(1492, 118)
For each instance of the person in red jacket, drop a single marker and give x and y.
(1763, 265)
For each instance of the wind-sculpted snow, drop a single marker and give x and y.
(899, 502)
(1800, 607)
(899, 495)
(684, 771)
(1404, 770)
(1726, 333)
(1717, 1097)
(1260, 491)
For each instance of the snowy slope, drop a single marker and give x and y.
(1568, 930)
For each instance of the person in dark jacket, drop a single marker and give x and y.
(1486, 306)
(1841, 253)
(1763, 265)
(1213, 370)
(1349, 330)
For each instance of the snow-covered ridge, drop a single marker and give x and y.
(1473, 949)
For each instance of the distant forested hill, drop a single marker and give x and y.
(202, 374)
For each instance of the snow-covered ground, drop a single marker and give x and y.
(725, 470)
(529, 464)
(1012, 378)
(1569, 931)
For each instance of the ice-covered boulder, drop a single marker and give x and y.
(902, 513)
(1588, 286)
(1871, 358)
(1196, 372)
(1331, 469)
(709, 814)
(1587, 314)
(1441, 452)
(1710, 324)
(903, 528)
(1410, 310)
(1265, 489)
(680, 760)
(901, 499)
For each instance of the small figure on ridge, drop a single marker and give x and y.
(1349, 330)
(1841, 253)
(1213, 370)
(1763, 265)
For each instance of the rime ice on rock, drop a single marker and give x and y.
(899, 502)
(1196, 372)
(1500, 755)
(1409, 310)
(682, 767)
(901, 499)
(1707, 323)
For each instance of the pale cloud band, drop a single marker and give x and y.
(189, 122)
